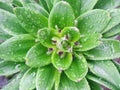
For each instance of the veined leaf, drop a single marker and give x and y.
(8, 68)
(61, 63)
(93, 21)
(45, 78)
(67, 84)
(107, 4)
(28, 80)
(115, 19)
(37, 56)
(15, 48)
(87, 42)
(6, 7)
(78, 69)
(108, 49)
(61, 16)
(112, 32)
(103, 70)
(32, 21)
(10, 24)
(87, 5)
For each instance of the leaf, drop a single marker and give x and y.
(94, 85)
(93, 21)
(61, 63)
(6, 6)
(76, 5)
(24, 2)
(32, 21)
(112, 32)
(103, 70)
(107, 4)
(72, 33)
(78, 69)
(45, 78)
(37, 56)
(87, 5)
(61, 16)
(100, 81)
(28, 80)
(17, 3)
(43, 3)
(67, 84)
(15, 48)
(37, 8)
(117, 65)
(87, 42)
(108, 49)
(115, 19)
(10, 24)
(14, 83)
(8, 68)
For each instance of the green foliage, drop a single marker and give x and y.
(57, 44)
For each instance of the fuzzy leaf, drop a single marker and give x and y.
(108, 49)
(61, 63)
(15, 48)
(31, 20)
(115, 19)
(37, 56)
(72, 33)
(6, 6)
(117, 65)
(8, 68)
(76, 5)
(107, 4)
(61, 15)
(93, 21)
(14, 83)
(44, 4)
(78, 69)
(67, 84)
(112, 32)
(28, 80)
(10, 24)
(37, 8)
(45, 78)
(103, 70)
(87, 42)
(87, 5)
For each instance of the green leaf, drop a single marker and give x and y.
(37, 56)
(94, 85)
(37, 8)
(117, 65)
(108, 49)
(45, 36)
(61, 15)
(32, 21)
(100, 81)
(17, 3)
(28, 80)
(87, 5)
(24, 2)
(61, 62)
(15, 48)
(45, 78)
(93, 21)
(87, 42)
(67, 84)
(10, 24)
(112, 32)
(14, 83)
(107, 4)
(43, 3)
(103, 70)
(72, 33)
(6, 7)
(8, 68)
(115, 19)
(78, 69)
(76, 5)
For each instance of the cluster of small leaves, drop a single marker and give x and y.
(60, 44)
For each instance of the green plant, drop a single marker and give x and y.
(60, 44)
